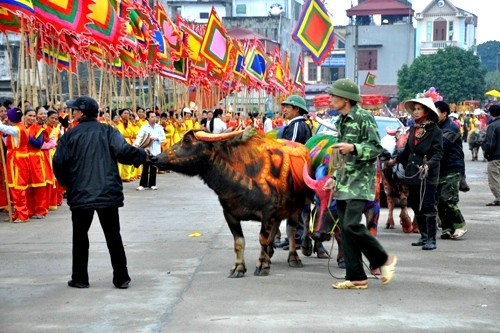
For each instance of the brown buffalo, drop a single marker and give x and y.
(256, 178)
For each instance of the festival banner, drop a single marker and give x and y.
(314, 31)
(64, 16)
(9, 21)
(277, 77)
(217, 44)
(239, 62)
(193, 45)
(255, 63)
(298, 81)
(105, 26)
(179, 70)
(370, 79)
(63, 60)
(170, 31)
(19, 7)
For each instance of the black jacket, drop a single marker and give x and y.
(453, 153)
(429, 146)
(86, 162)
(491, 145)
(297, 130)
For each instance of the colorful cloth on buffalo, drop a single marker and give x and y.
(320, 149)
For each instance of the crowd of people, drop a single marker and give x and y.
(31, 137)
(30, 140)
(433, 152)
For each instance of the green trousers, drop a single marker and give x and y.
(447, 203)
(357, 240)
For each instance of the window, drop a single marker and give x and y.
(241, 9)
(330, 74)
(312, 72)
(176, 10)
(450, 30)
(428, 34)
(204, 15)
(367, 60)
(326, 74)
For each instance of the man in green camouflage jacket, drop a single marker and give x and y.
(355, 161)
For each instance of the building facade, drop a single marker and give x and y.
(197, 10)
(441, 24)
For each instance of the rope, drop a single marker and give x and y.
(422, 174)
(331, 248)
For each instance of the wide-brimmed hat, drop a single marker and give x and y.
(345, 88)
(426, 101)
(146, 140)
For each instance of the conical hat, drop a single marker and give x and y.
(410, 104)
(146, 141)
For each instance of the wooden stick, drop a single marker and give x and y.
(21, 67)
(11, 66)
(78, 86)
(70, 84)
(33, 47)
(7, 191)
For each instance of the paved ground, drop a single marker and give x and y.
(179, 283)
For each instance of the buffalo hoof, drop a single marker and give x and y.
(307, 247)
(407, 227)
(294, 261)
(237, 271)
(262, 271)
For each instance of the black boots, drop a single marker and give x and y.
(423, 231)
(427, 225)
(430, 220)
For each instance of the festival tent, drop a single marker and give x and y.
(493, 93)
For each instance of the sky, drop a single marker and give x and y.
(487, 15)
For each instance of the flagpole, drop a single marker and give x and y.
(33, 47)
(21, 69)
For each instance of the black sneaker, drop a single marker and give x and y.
(122, 284)
(75, 284)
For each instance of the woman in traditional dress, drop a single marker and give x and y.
(36, 192)
(17, 163)
(126, 128)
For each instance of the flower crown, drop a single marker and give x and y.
(430, 93)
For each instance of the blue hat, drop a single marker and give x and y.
(269, 114)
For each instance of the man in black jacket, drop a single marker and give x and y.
(86, 163)
(451, 169)
(491, 149)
